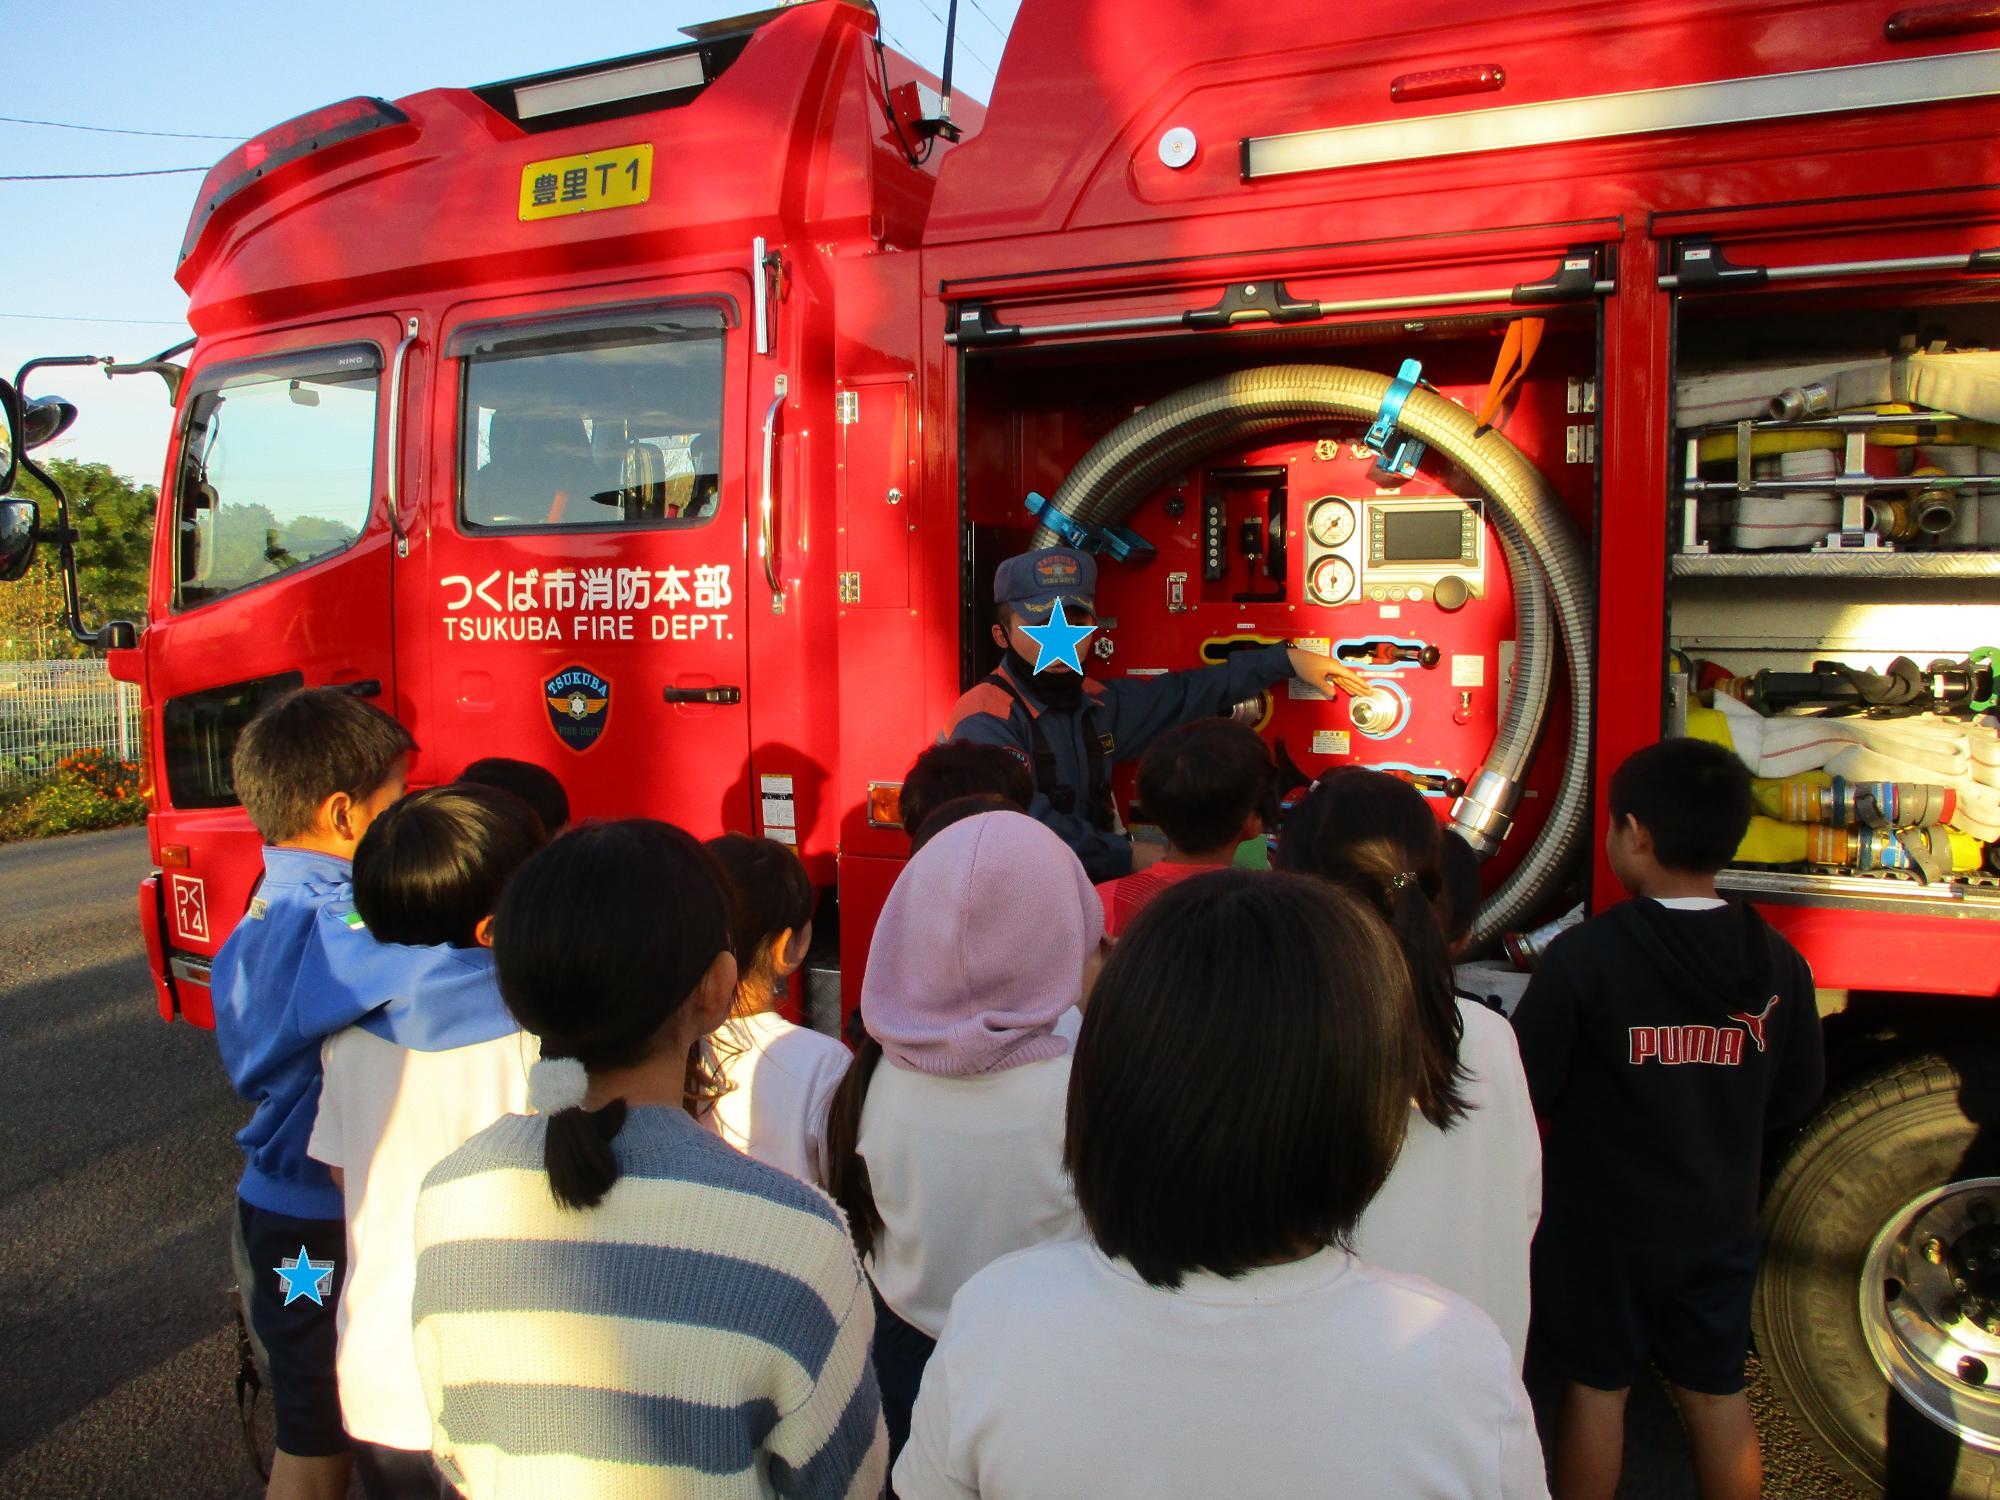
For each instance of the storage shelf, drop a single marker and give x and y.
(1977, 897)
(1836, 565)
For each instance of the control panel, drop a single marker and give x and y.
(1387, 549)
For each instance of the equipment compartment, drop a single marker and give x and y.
(1834, 585)
(1299, 535)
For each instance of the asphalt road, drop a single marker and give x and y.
(117, 1174)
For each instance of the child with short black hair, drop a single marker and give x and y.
(1664, 1040)
(961, 768)
(1208, 786)
(1462, 894)
(976, 805)
(777, 1077)
(1461, 1206)
(1240, 1088)
(413, 1082)
(313, 770)
(535, 785)
(610, 1299)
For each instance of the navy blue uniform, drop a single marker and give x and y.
(1124, 716)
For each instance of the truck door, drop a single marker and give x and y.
(580, 593)
(271, 571)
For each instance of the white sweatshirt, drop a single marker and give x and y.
(1461, 1205)
(781, 1080)
(1062, 1373)
(964, 1171)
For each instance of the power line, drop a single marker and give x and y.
(81, 176)
(997, 31)
(176, 135)
(991, 71)
(121, 322)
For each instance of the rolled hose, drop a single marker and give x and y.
(1538, 542)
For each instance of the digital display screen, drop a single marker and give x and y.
(1422, 535)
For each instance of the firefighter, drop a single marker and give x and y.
(1068, 729)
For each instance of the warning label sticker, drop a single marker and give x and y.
(1331, 742)
(1468, 671)
(780, 809)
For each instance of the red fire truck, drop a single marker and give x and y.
(1584, 372)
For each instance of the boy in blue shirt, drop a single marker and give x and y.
(313, 770)
(411, 1083)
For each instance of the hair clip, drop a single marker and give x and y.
(1398, 882)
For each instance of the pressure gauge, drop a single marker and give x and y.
(1331, 522)
(1332, 579)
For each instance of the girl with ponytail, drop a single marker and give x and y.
(1461, 1205)
(648, 1291)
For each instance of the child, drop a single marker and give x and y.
(944, 1142)
(313, 770)
(1664, 1040)
(1462, 893)
(404, 1089)
(1461, 1206)
(535, 785)
(960, 768)
(1208, 785)
(972, 805)
(779, 1076)
(610, 1300)
(1239, 1090)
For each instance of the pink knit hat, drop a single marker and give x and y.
(981, 949)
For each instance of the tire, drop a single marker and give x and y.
(1884, 1141)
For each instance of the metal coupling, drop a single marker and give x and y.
(1801, 401)
(1484, 814)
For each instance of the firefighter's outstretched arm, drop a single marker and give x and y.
(1141, 709)
(1105, 856)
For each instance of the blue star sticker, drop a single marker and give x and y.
(304, 1277)
(1057, 641)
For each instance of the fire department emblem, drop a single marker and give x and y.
(579, 704)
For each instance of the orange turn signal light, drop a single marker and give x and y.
(173, 856)
(885, 804)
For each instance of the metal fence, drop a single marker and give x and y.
(50, 709)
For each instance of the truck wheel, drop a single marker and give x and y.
(1878, 1311)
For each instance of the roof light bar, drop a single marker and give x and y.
(1726, 101)
(657, 75)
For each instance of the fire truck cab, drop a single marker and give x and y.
(1583, 374)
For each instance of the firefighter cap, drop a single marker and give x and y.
(1035, 580)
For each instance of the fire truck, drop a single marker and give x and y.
(1583, 372)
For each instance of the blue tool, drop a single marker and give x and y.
(1399, 456)
(1121, 542)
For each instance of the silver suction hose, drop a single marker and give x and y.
(1544, 556)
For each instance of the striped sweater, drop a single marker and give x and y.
(702, 1333)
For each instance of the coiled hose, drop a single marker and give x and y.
(1538, 542)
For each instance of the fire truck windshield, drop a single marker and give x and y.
(596, 427)
(277, 467)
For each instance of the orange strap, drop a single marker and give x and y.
(1517, 352)
(557, 507)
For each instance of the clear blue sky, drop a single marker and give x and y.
(105, 249)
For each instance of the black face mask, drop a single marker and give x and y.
(1057, 690)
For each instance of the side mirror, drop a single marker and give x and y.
(45, 419)
(10, 430)
(117, 635)
(18, 530)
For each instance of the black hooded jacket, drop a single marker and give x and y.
(1662, 1045)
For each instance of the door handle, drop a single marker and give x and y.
(767, 536)
(702, 695)
(368, 687)
(396, 436)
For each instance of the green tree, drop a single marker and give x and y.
(114, 521)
